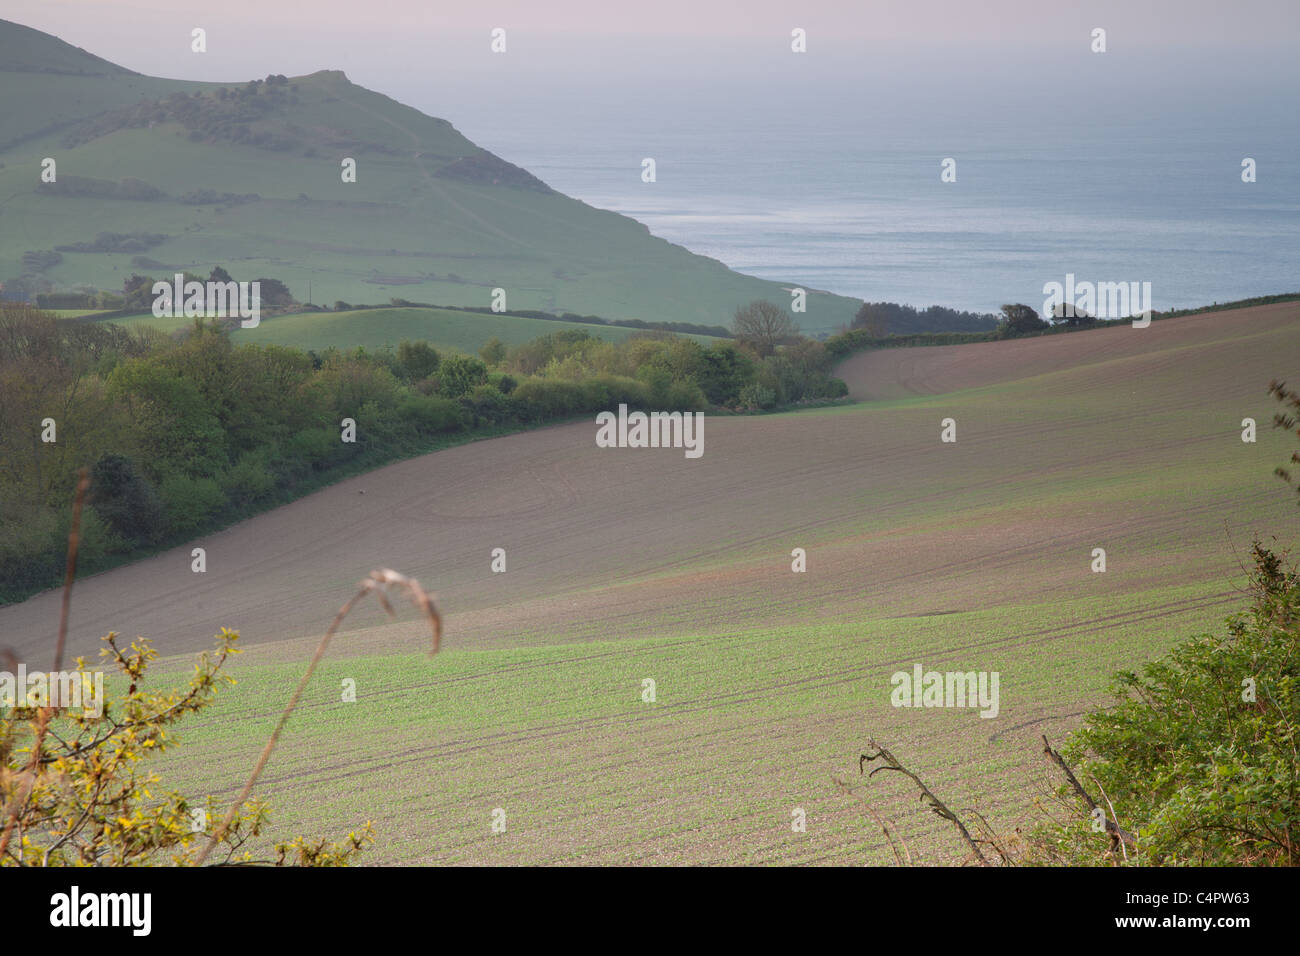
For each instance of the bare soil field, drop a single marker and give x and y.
(615, 542)
(898, 373)
(625, 564)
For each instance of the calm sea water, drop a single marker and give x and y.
(812, 194)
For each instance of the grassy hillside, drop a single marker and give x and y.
(626, 565)
(248, 176)
(377, 328)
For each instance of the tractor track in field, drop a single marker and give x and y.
(670, 712)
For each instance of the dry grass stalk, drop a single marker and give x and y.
(28, 780)
(378, 583)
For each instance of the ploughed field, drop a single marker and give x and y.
(630, 564)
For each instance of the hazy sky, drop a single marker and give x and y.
(253, 37)
(945, 55)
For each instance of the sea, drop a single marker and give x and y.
(843, 190)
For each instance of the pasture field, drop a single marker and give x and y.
(632, 564)
(374, 329)
(409, 226)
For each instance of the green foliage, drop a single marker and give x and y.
(178, 432)
(458, 375)
(878, 319)
(542, 399)
(684, 397)
(87, 801)
(189, 502)
(754, 397)
(188, 432)
(1018, 319)
(1198, 755)
(430, 414)
(125, 501)
(417, 359)
(725, 370)
(248, 480)
(493, 352)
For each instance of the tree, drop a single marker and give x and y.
(1071, 314)
(1020, 319)
(873, 317)
(418, 360)
(273, 292)
(493, 352)
(762, 326)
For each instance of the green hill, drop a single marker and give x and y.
(248, 176)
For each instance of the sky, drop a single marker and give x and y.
(379, 38)
(949, 56)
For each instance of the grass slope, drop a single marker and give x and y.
(625, 565)
(376, 328)
(431, 217)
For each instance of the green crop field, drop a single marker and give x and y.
(628, 565)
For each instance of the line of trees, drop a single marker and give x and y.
(183, 434)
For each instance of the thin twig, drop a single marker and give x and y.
(937, 806)
(1118, 835)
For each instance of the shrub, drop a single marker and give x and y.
(249, 479)
(493, 352)
(90, 803)
(1198, 754)
(418, 359)
(540, 399)
(312, 446)
(606, 392)
(429, 414)
(754, 397)
(125, 501)
(685, 397)
(190, 502)
(459, 374)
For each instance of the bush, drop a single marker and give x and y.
(190, 502)
(754, 397)
(429, 414)
(419, 360)
(91, 802)
(311, 446)
(125, 501)
(540, 399)
(485, 405)
(726, 370)
(685, 397)
(459, 374)
(249, 479)
(1198, 755)
(30, 554)
(607, 392)
(493, 352)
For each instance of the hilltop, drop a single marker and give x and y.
(249, 176)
